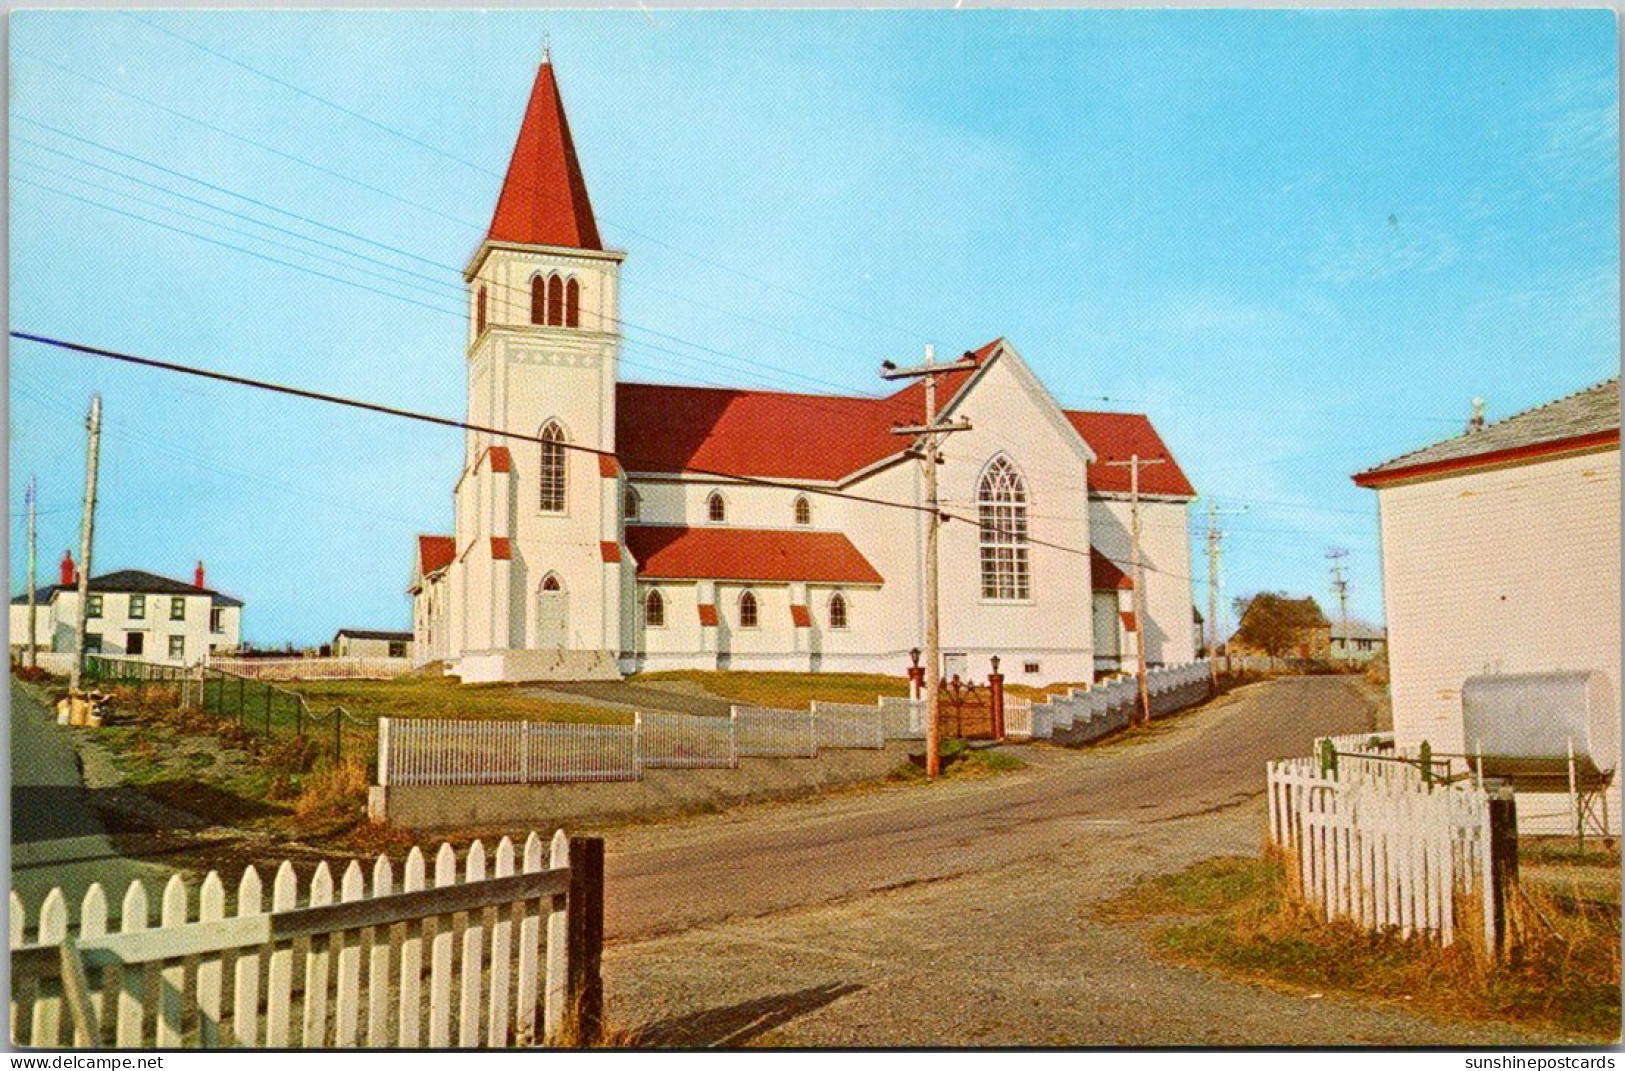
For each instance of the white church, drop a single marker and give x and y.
(610, 541)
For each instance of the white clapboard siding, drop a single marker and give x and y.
(1374, 842)
(342, 967)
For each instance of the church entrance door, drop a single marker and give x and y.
(552, 618)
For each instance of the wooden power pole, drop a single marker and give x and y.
(1340, 588)
(1213, 538)
(87, 530)
(33, 638)
(1133, 464)
(929, 435)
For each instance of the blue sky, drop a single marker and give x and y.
(1302, 242)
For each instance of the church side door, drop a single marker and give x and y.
(552, 617)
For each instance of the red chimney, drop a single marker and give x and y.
(68, 576)
(197, 577)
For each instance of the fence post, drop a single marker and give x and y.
(338, 734)
(995, 688)
(268, 695)
(383, 752)
(584, 1005)
(1503, 865)
(242, 701)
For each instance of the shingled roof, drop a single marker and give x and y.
(131, 581)
(1587, 418)
(759, 554)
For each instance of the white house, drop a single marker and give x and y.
(131, 614)
(371, 643)
(1500, 555)
(1357, 641)
(617, 544)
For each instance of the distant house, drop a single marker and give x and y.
(370, 643)
(1500, 554)
(1307, 633)
(1359, 643)
(131, 614)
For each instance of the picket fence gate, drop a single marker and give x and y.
(509, 953)
(1373, 842)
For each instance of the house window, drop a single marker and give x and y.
(803, 510)
(715, 508)
(572, 304)
(138, 606)
(397, 648)
(1029, 667)
(177, 647)
(837, 610)
(654, 610)
(1001, 500)
(747, 610)
(177, 608)
(633, 499)
(93, 606)
(479, 313)
(217, 619)
(93, 642)
(134, 643)
(555, 301)
(538, 300)
(552, 468)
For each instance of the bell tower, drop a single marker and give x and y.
(538, 525)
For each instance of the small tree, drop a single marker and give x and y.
(1274, 623)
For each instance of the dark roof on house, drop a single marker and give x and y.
(1586, 418)
(1358, 630)
(42, 595)
(135, 582)
(371, 634)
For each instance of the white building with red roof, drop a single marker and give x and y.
(657, 526)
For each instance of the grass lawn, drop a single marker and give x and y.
(444, 697)
(792, 691)
(1234, 915)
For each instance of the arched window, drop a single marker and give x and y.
(479, 313)
(837, 610)
(747, 610)
(572, 303)
(552, 468)
(654, 610)
(633, 500)
(803, 510)
(715, 508)
(555, 301)
(1001, 500)
(538, 300)
(550, 582)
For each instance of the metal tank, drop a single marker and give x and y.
(1524, 725)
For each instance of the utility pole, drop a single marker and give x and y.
(1215, 537)
(87, 529)
(33, 639)
(1133, 464)
(1340, 588)
(929, 434)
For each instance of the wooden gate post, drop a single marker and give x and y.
(584, 1005)
(1503, 867)
(995, 690)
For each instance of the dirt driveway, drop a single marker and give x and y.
(959, 914)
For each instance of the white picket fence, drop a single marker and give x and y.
(686, 741)
(849, 725)
(1087, 714)
(770, 732)
(1374, 843)
(1018, 718)
(465, 962)
(441, 751)
(314, 669)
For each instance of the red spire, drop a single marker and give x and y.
(544, 198)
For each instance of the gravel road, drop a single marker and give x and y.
(959, 913)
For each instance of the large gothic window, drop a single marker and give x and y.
(1001, 500)
(555, 301)
(552, 468)
(572, 303)
(538, 300)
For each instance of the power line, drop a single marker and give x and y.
(449, 422)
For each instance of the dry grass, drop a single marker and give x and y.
(444, 697)
(792, 691)
(1563, 972)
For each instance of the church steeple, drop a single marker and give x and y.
(544, 198)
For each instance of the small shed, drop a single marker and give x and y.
(371, 643)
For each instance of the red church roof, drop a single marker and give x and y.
(767, 555)
(749, 432)
(1118, 437)
(1105, 574)
(435, 552)
(544, 198)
